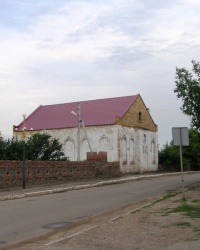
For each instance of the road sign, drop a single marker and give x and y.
(180, 136)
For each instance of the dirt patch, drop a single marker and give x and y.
(156, 226)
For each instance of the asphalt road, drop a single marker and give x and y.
(30, 217)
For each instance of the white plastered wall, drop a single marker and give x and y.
(138, 150)
(101, 138)
(135, 149)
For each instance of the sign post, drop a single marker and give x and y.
(181, 138)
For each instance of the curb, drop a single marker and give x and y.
(78, 187)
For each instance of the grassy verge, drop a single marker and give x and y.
(192, 211)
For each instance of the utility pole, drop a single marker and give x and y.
(24, 151)
(181, 138)
(79, 141)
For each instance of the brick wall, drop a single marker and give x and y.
(47, 172)
(133, 119)
(94, 156)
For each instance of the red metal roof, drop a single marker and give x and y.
(93, 113)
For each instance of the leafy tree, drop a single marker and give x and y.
(192, 152)
(188, 89)
(38, 147)
(13, 149)
(2, 147)
(44, 147)
(169, 155)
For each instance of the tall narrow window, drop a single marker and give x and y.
(153, 152)
(70, 149)
(132, 151)
(124, 150)
(84, 149)
(140, 116)
(104, 145)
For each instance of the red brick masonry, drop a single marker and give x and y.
(94, 156)
(46, 172)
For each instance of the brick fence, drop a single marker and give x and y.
(47, 172)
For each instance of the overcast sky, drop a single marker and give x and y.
(58, 51)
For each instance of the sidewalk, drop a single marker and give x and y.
(19, 192)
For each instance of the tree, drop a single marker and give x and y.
(2, 147)
(169, 155)
(13, 149)
(192, 152)
(188, 89)
(38, 147)
(44, 147)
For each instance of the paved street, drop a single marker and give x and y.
(34, 216)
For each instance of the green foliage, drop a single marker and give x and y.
(192, 152)
(183, 224)
(2, 147)
(188, 89)
(169, 155)
(44, 147)
(38, 147)
(13, 149)
(192, 211)
(9, 149)
(169, 196)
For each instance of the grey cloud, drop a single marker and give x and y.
(125, 58)
(62, 72)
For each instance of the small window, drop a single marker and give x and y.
(140, 116)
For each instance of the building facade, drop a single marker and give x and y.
(122, 127)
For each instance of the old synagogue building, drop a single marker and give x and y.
(121, 126)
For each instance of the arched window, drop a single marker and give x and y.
(153, 152)
(132, 151)
(124, 150)
(85, 148)
(70, 149)
(104, 145)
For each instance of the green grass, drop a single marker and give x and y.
(197, 229)
(192, 211)
(182, 224)
(177, 201)
(169, 196)
(195, 201)
(166, 197)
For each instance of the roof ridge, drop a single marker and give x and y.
(111, 98)
(57, 115)
(89, 100)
